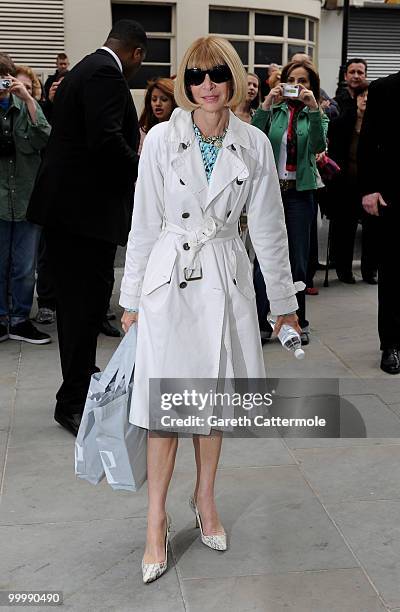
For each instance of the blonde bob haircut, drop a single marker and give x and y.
(207, 52)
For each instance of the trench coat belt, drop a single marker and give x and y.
(211, 231)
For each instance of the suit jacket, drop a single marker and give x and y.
(86, 180)
(378, 150)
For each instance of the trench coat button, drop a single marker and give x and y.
(234, 281)
(228, 213)
(239, 182)
(186, 246)
(233, 148)
(181, 182)
(182, 285)
(184, 145)
(185, 215)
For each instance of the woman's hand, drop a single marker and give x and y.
(290, 319)
(128, 318)
(18, 89)
(274, 97)
(307, 97)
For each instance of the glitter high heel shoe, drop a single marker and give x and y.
(217, 541)
(152, 571)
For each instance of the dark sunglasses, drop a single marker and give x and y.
(217, 74)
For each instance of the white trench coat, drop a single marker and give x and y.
(204, 328)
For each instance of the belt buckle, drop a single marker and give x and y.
(188, 274)
(284, 183)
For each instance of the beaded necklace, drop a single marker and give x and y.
(209, 148)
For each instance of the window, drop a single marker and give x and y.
(229, 22)
(157, 21)
(262, 38)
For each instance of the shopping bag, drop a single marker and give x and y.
(122, 446)
(88, 464)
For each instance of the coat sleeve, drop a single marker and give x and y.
(318, 131)
(262, 119)
(266, 222)
(105, 99)
(38, 133)
(368, 145)
(147, 219)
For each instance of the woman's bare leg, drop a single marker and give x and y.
(161, 453)
(207, 452)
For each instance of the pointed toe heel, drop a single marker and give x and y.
(152, 571)
(217, 541)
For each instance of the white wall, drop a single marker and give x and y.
(330, 49)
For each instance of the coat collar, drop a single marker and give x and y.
(187, 162)
(180, 130)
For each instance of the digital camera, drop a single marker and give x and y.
(290, 91)
(5, 84)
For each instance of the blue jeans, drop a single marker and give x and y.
(300, 209)
(18, 248)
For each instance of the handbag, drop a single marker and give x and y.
(327, 167)
(120, 446)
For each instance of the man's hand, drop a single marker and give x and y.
(53, 89)
(370, 203)
(290, 319)
(128, 319)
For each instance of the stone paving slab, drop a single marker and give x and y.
(372, 530)
(327, 590)
(355, 473)
(271, 514)
(96, 563)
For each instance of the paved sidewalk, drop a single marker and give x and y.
(313, 524)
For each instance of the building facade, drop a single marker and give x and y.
(262, 31)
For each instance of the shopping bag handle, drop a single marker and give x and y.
(122, 362)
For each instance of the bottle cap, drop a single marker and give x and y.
(299, 353)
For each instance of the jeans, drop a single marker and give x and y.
(300, 210)
(19, 242)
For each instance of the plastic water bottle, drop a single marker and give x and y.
(289, 338)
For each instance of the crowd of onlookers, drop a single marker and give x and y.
(314, 138)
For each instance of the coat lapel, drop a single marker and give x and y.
(229, 167)
(188, 165)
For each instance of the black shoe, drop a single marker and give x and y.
(3, 332)
(346, 278)
(27, 332)
(305, 338)
(110, 316)
(70, 422)
(109, 330)
(371, 280)
(390, 361)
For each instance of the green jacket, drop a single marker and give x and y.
(312, 127)
(18, 172)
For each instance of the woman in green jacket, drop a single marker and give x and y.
(297, 127)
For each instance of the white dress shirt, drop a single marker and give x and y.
(115, 56)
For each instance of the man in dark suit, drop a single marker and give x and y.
(83, 197)
(62, 64)
(378, 174)
(354, 76)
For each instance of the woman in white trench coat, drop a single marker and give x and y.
(187, 280)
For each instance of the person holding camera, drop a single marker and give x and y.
(296, 126)
(23, 134)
